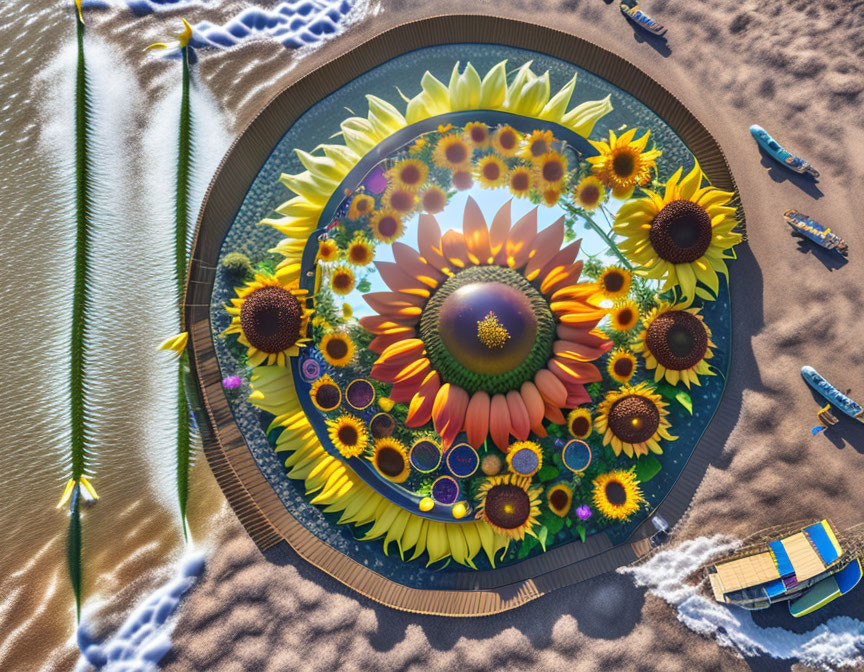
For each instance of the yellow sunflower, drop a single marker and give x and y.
(550, 197)
(408, 174)
(506, 141)
(361, 205)
(433, 199)
(386, 225)
(589, 193)
(676, 343)
(623, 163)
(521, 181)
(337, 348)
(451, 152)
(537, 144)
(491, 171)
(551, 171)
(328, 250)
(559, 499)
(509, 505)
(342, 280)
(462, 179)
(614, 283)
(579, 423)
(477, 134)
(624, 315)
(617, 494)
(622, 365)
(400, 200)
(271, 319)
(633, 420)
(390, 458)
(524, 458)
(325, 394)
(682, 237)
(417, 145)
(348, 434)
(360, 251)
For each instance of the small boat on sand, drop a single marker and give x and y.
(813, 230)
(807, 566)
(641, 19)
(779, 154)
(832, 394)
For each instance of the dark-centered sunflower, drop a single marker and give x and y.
(579, 423)
(617, 494)
(337, 348)
(451, 152)
(349, 435)
(614, 283)
(390, 458)
(676, 343)
(361, 205)
(271, 318)
(386, 225)
(623, 163)
(622, 365)
(408, 174)
(360, 251)
(559, 498)
(491, 171)
(633, 420)
(509, 505)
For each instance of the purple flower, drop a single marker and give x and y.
(310, 369)
(232, 382)
(584, 512)
(376, 181)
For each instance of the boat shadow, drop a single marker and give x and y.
(847, 432)
(829, 258)
(608, 606)
(779, 173)
(658, 44)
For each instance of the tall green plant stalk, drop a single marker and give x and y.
(181, 214)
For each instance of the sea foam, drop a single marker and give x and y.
(838, 642)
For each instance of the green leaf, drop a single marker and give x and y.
(704, 294)
(527, 544)
(554, 524)
(569, 522)
(364, 285)
(647, 468)
(580, 529)
(680, 395)
(542, 535)
(547, 473)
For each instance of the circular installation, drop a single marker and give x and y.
(478, 326)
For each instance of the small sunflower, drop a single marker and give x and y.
(614, 283)
(521, 181)
(506, 141)
(682, 237)
(622, 162)
(462, 179)
(337, 348)
(477, 134)
(524, 458)
(348, 434)
(390, 458)
(433, 199)
(271, 319)
(617, 494)
(386, 225)
(676, 343)
(418, 145)
(328, 250)
(491, 171)
(342, 280)
(401, 200)
(624, 315)
(559, 499)
(589, 193)
(360, 251)
(579, 423)
(451, 152)
(361, 205)
(551, 171)
(550, 197)
(537, 144)
(633, 420)
(622, 365)
(325, 394)
(509, 505)
(408, 174)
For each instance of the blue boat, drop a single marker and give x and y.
(832, 394)
(814, 231)
(779, 154)
(642, 20)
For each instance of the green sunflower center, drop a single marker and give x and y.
(487, 328)
(634, 419)
(681, 232)
(270, 318)
(677, 339)
(507, 506)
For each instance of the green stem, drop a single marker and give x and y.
(80, 304)
(599, 231)
(180, 233)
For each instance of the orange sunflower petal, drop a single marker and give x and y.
(454, 249)
(428, 240)
(476, 234)
(400, 281)
(420, 408)
(410, 261)
(546, 245)
(499, 421)
(498, 233)
(520, 240)
(535, 406)
(520, 423)
(550, 387)
(477, 418)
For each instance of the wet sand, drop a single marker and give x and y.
(792, 67)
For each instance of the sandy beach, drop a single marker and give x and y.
(792, 66)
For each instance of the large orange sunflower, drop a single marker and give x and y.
(487, 331)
